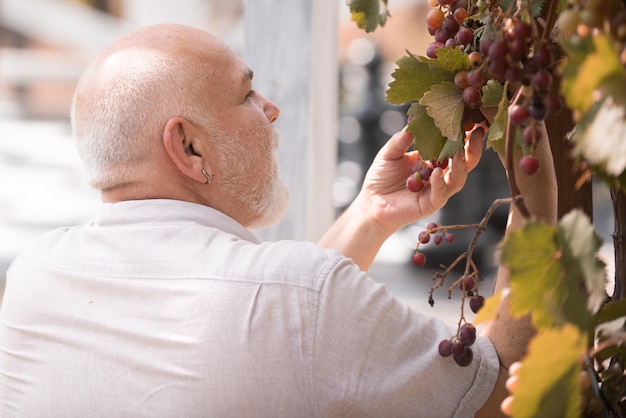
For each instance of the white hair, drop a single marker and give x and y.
(118, 120)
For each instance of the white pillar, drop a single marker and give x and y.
(292, 47)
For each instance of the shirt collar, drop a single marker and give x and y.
(159, 211)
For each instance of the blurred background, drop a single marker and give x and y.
(44, 45)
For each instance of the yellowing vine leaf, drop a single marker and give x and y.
(490, 309)
(426, 136)
(589, 63)
(548, 379)
(444, 103)
(368, 14)
(449, 59)
(543, 280)
(413, 78)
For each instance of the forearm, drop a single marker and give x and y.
(355, 235)
(510, 336)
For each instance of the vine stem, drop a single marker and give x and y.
(509, 153)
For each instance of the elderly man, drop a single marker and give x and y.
(166, 305)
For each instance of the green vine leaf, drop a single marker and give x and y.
(548, 379)
(413, 78)
(368, 14)
(611, 312)
(543, 278)
(427, 138)
(492, 93)
(497, 131)
(580, 245)
(444, 103)
(449, 59)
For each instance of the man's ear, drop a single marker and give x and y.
(178, 141)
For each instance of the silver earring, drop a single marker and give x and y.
(207, 175)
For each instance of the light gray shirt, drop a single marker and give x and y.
(162, 308)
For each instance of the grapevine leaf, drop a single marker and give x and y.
(580, 257)
(532, 256)
(548, 379)
(413, 78)
(450, 148)
(601, 137)
(541, 280)
(589, 63)
(611, 311)
(449, 59)
(427, 138)
(368, 14)
(490, 309)
(492, 93)
(444, 103)
(497, 132)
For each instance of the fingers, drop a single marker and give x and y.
(474, 147)
(397, 145)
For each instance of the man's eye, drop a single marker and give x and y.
(250, 94)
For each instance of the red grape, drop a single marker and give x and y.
(472, 97)
(529, 164)
(445, 348)
(476, 303)
(419, 259)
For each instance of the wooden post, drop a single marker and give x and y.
(291, 45)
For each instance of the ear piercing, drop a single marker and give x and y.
(207, 175)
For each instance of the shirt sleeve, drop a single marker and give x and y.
(374, 356)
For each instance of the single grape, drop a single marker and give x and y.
(432, 225)
(475, 58)
(531, 134)
(431, 50)
(462, 357)
(476, 303)
(419, 259)
(485, 45)
(466, 283)
(476, 77)
(433, 3)
(514, 74)
(529, 164)
(537, 112)
(415, 183)
(460, 79)
(460, 14)
(472, 97)
(441, 35)
(542, 56)
(467, 334)
(522, 30)
(517, 49)
(425, 173)
(434, 18)
(423, 237)
(450, 43)
(445, 348)
(437, 239)
(553, 104)
(497, 69)
(449, 237)
(498, 50)
(464, 36)
(450, 25)
(542, 80)
(519, 114)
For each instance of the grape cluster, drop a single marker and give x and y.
(421, 171)
(459, 346)
(438, 234)
(511, 53)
